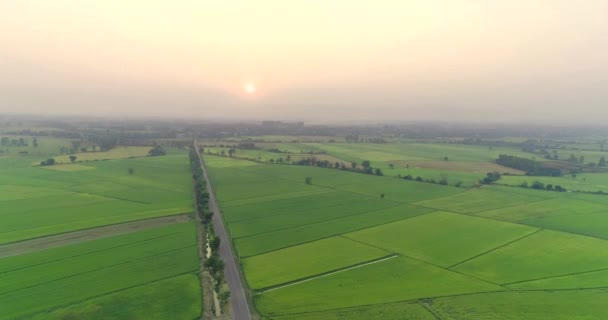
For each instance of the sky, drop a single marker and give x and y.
(313, 60)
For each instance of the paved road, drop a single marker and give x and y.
(240, 308)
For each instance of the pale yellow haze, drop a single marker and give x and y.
(310, 60)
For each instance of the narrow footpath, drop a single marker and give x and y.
(240, 307)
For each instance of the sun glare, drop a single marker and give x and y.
(250, 88)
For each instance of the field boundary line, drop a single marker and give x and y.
(315, 222)
(91, 252)
(473, 213)
(365, 243)
(562, 289)
(414, 300)
(329, 273)
(95, 270)
(496, 248)
(438, 266)
(335, 188)
(51, 309)
(269, 198)
(558, 276)
(519, 222)
(335, 235)
(454, 271)
(228, 205)
(429, 309)
(95, 227)
(100, 237)
(307, 210)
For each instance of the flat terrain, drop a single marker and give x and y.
(355, 246)
(109, 239)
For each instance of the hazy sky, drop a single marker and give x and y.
(318, 60)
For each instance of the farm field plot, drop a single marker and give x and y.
(46, 146)
(402, 311)
(590, 224)
(173, 298)
(306, 216)
(463, 166)
(306, 260)
(269, 241)
(441, 238)
(390, 280)
(375, 247)
(589, 182)
(562, 206)
(330, 198)
(558, 305)
(585, 280)
(415, 151)
(541, 255)
(477, 200)
(44, 202)
(69, 274)
(120, 152)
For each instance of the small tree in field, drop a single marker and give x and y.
(73, 158)
(131, 170)
(308, 180)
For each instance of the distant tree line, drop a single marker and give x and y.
(531, 167)
(200, 188)
(354, 138)
(541, 186)
(15, 142)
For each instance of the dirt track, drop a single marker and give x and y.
(58, 240)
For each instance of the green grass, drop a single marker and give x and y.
(401, 311)
(39, 202)
(588, 182)
(416, 151)
(283, 220)
(307, 260)
(391, 280)
(265, 242)
(173, 298)
(591, 224)
(289, 206)
(46, 146)
(452, 244)
(477, 200)
(537, 305)
(120, 152)
(593, 279)
(260, 180)
(43, 280)
(441, 238)
(543, 254)
(543, 209)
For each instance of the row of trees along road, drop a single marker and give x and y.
(213, 263)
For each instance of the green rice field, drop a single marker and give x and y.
(355, 246)
(149, 272)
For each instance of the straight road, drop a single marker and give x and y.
(240, 308)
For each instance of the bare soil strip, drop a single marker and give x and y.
(58, 240)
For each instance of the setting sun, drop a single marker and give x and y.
(249, 88)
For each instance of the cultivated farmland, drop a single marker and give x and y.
(320, 243)
(89, 240)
